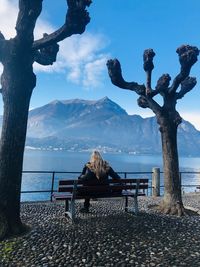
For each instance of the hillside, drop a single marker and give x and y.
(79, 125)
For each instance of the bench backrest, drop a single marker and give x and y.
(122, 184)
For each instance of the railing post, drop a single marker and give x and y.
(52, 184)
(156, 182)
(180, 181)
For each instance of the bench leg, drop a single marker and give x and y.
(66, 205)
(126, 203)
(136, 205)
(71, 210)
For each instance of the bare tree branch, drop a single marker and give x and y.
(187, 58)
(28, 13)
(76, 20)
(148, 67)
(177, 119)
(47, 55)
(115, 73)
(162, 85)
(186, 86)
(148, 102)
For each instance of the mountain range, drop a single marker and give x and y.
(80, 125)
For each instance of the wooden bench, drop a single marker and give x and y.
(70, 190)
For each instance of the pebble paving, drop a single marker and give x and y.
(107, 236)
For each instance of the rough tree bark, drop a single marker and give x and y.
(167, 116)
(18, 81)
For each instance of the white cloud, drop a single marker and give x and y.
(82, 60)
(8, 17)
(93, 71)
(74, 75)
(80, 56)
(42, 27)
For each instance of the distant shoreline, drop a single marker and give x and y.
(57, 149)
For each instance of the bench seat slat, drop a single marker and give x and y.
(124, 180)
(101, 188)
(61, 196)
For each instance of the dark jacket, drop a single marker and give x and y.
(89, 178)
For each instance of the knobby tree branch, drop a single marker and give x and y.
(162, 86)
(186, 86)
(115, 73)
(148, 102)
(46, 56)
(28, 13)
(76, 20)
(148, 67)
(187, 58)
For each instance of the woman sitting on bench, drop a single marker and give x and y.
(96, 172)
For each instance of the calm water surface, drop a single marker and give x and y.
(35, 160)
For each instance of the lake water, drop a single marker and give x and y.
(63, 161)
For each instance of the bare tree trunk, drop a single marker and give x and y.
(18, 80)
(172, 201)
(17, 90)
(167, 116)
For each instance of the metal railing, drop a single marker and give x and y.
(50, 186)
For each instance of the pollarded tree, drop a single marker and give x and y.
(167, 116)
(18, 81)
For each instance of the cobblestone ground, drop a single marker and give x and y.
(105, 237)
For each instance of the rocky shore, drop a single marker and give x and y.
(105, 237)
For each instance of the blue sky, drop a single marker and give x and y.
(118, 29)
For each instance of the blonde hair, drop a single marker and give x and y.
(98, 165)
